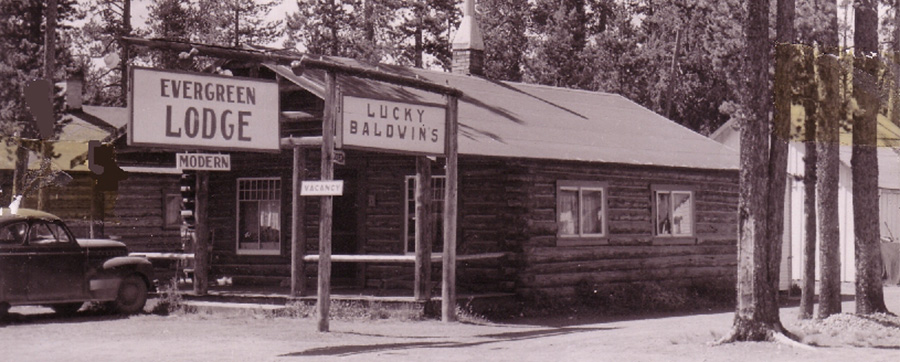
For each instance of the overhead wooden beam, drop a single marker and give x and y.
(297, 62)
(291, 142)
(299, 116)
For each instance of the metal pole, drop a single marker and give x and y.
(324, 296)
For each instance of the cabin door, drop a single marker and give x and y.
(345, 229)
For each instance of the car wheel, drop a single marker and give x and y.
(66, 308)
(132, 295)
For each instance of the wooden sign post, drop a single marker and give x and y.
(323, 301)
(448, 288)
(298, 233)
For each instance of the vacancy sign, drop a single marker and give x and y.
(322, 188)
(393, 126)
(203, 161)
(202, 111)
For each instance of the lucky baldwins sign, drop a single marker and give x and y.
(203, 161)
(395, 126)
(201, 111)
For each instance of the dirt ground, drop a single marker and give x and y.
(38, 335)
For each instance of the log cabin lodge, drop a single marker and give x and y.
(558, 189)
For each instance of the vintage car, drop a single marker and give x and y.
(41, 263)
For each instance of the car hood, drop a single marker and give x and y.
(100, 243)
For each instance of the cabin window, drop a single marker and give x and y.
(171, 211)
(437, 209)
(581, 212)
(673, 214)
(259, 216)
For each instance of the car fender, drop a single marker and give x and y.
(126, 265)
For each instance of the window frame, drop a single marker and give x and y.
(582, 238)
(166, 209)
(672, 238)
(435, 202)
(237, 227)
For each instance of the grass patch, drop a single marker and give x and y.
(170, 300)
(354, 311)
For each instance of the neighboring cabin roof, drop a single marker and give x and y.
(888, 148)
(79, 128)
(517, 120)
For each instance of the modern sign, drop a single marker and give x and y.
(202, 111)
(393, 126)
(322, 188)
(203, 161)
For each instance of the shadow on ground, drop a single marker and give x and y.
(348, 350)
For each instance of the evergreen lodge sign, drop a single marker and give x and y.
(201, 111)
(395, 126)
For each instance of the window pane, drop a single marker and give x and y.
(568, 214)
(682, 215)
(172, 210)
(663, 208)
(437, 210)
(592, 211)
(42, 233)
(13, 234)
(249, 227)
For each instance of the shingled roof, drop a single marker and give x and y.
(517, 120)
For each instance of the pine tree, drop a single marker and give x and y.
(864, 160)
(423, 32)
(21, 43)
(504, 24)
(829, 117)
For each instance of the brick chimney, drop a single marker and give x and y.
(468, 45)
(74, 90)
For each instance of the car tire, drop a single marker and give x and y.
(132, 295)
(66, 308)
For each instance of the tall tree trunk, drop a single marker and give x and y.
(895, 57)
(864, 161)
(829, 76)
(830, 114)
(808, 256)
(756, 315)
(780, 135)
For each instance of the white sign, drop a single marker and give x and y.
(203, 161)
(202, 111)
(322, 188)
(395, 126)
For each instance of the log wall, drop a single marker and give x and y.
(134, 214)
(631, 253)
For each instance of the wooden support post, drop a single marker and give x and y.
(201, 244)
(298, 232)
(49, 69)
(424, 227)
(324, 296)
(448, 288)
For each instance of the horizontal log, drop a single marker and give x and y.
(714, 260)
(539, 255)
(623, 276)
(403, 259)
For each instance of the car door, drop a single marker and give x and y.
(56, 264)
(13, 258)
